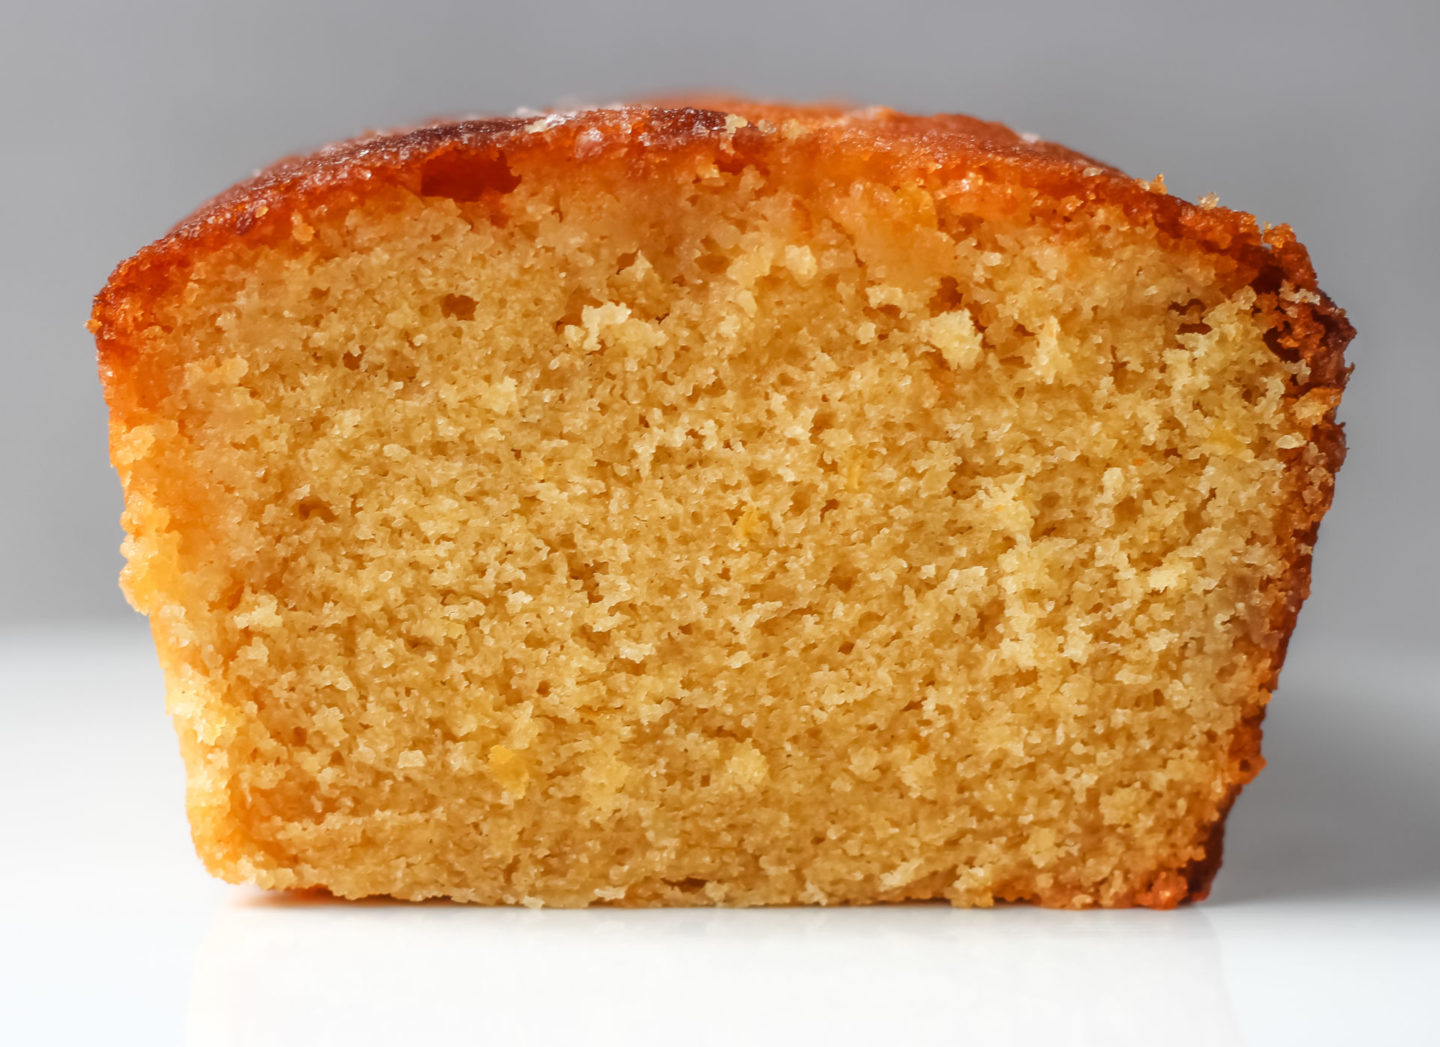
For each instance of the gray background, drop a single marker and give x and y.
(120, 117)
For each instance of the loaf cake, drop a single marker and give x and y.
(719, 504)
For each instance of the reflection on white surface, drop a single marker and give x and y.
(272, 972)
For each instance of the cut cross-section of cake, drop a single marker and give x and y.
(733, 505)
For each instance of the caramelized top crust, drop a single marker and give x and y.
(467, 159)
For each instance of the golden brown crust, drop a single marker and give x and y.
(468, 160)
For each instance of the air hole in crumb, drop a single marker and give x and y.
(734, 163)
(626, 260)
(352, 359)
(1288, 353)
(402, 371)
(1195, 328)
(575, 305)
(847, 647)
(1126, 379)
(465, 176)
(689, 884)
(308, 507)
(960, 226)
(458, 306)
(947, 299)
(712, 262)
(1268, 281)
(1187, 306)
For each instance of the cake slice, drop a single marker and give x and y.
(738, 505)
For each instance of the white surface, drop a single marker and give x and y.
(1324, 926)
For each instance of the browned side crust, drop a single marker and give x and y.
(467, 160)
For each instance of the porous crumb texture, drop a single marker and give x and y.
(620, 509)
